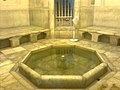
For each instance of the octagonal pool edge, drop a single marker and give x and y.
(63, 81)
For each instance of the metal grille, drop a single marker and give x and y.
(64, 10)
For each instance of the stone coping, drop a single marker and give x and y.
(19, 31)
(41, 48)
(102, 30)
(63, 81)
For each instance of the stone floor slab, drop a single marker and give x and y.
(8, 58)
(18, 49)
(8, 51)
(6, 63)
(6, 68)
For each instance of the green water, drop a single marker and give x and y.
(63, 61)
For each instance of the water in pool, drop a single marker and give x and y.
(63, 61)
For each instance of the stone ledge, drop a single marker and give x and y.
(19, 31)
(12, 37)
(97, 34)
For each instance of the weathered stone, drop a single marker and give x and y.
(6, 68)
(15, 41)
(6, 63)
(114, 40)
(33, 37)
(95, 37)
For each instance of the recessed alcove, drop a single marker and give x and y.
(42, 35)
(118, 42)
(4, 43)
(25, 39)
(87, 35)
(104, 38)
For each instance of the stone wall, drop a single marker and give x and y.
(14, 13)
(39, 13)
(86, 13)
(17, 13)
(64, 32)
(86, 16)
(107, 13)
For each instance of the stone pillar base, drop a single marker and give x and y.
(33, 37)
(15, 41)
(114, 40)
(95, 37)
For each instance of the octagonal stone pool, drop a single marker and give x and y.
(63, 66)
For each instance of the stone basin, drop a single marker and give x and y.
(63, 66)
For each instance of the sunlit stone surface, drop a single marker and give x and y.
(63, 66)
(29, 25)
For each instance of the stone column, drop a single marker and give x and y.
(76, 17)
(15, 41)
(33, 37)
(102, 3)
(76, 13)
(95, 37)
(114, 40)
(52, 17)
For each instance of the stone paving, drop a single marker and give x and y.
(11, 56)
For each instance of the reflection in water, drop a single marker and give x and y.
(65, 61)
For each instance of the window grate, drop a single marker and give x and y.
(64, 10)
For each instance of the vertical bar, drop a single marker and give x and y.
(56, 4)
(68, 9)
(62, 11)
(65, 7)
(72, 10)
(71, 3)
(59, 11)
(68, 12)
(61, 7)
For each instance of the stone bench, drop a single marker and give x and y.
(13, 37)
(101, 34)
